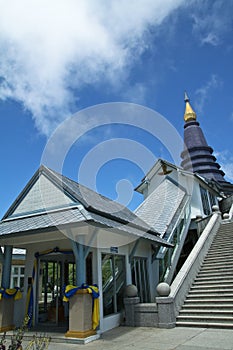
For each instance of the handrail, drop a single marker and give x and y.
(169, 239)
(231, 212)
(177, 236)
(188, 271)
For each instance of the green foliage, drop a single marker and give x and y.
(37, 343)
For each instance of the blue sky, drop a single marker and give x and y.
(57, 58)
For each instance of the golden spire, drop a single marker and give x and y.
(189, 113)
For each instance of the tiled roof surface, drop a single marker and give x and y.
(55, 219)
(40, 221)
(93, 201)
(91, 208)
(161, 205)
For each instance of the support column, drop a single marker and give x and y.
(81, 268)
(80, 315)
(6, 273)
(6, 304)
(80, 261)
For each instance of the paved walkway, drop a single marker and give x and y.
(140, 338)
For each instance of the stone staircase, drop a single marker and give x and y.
(209, 302)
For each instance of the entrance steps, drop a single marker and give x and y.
(209, 302)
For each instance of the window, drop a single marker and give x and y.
(17, 276)
(205, 201)
(140, 278)
(213, 199)
(113, 283)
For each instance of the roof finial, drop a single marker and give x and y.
(186, 98)
(189, 113)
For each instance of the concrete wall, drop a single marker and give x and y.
(163, 313)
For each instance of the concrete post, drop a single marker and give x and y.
(80, 315)
(80, 262)
(166, 313)
(6, 274)
(129, 310)
(6, 305)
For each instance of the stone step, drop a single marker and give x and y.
(222, 239)
(219, 255)
(204, 324)
(227, 239)
(212, 306)
(202, 276)
(217, 295)
(220, 252)
(207, 319)
(216, 263)
(215, 247)
(210, 300)
(221, 243)
(219, 258)
(216, 274)
(213, 286)
(217, 269)
(206, 312)
(208, 282)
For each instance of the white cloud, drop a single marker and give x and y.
(48, 49)
(211, 19)
(136, 93)
(225, 158)
(204, 91)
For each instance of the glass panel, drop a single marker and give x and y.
(213, 200)
(15, 282)
(140, 278)
(205, 201)
(120, 277)
(50, 292)
(113, 282)
(21, 282)
(107, 284)
(15, 270)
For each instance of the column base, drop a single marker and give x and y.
(80, 334)
(7, 328)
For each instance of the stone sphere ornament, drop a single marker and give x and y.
(163, 289)
(215, 208)
(226, 216)
(131, 291)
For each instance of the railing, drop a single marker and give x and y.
(168, 257)
(226, 204)
(108, 288)
(201, 224)
(185, 277)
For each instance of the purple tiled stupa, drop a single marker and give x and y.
(197, 155)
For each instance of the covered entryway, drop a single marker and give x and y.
(56, 268)
(72, 235)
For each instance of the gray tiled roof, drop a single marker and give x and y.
(97, 203)
(91, 208)
(40, 221)
(160, 206)
(94, 201)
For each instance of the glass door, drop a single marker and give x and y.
(50, 304)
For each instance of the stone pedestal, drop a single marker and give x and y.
(6, 314)
(166, 314)
(129, 310)
(80, 315)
